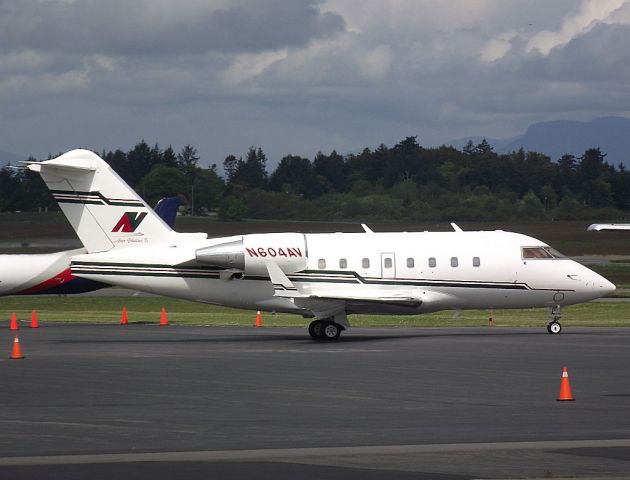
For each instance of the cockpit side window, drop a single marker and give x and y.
(554, 253)
(534, 253)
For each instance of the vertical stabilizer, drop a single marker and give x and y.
(104, 211)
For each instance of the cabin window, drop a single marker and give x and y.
(410, 263)
(343, 263)
(387, 263)
(365, 263)
(529, 253)
(454, 262)
(321, 263)
(476, 261)
(432, 262)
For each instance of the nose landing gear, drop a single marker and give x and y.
(554, 326)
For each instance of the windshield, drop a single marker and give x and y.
(542, 252)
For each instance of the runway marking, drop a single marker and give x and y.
(285, 453)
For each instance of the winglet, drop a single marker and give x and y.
(281, 283)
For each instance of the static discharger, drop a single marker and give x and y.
(14, 323)
(123, 317)
(163, 319)
(565, 388)
(34, 321)
(16, 353)
(258, 319)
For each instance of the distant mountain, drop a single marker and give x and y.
(610, 134)
(8, 157)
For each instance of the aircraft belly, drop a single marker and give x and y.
(481, 298)
(232, 293)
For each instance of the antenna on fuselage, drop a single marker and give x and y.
(366, 228)
(456, 227)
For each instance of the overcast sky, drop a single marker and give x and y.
(298, 76)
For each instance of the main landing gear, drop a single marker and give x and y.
(325, 330)
(554, 326)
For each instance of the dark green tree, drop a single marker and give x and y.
(293, 175)
(252, 172)
(160, 182)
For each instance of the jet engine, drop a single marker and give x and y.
(250, 253)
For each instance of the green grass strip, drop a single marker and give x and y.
(95, 309)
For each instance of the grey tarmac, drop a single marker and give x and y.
(96, 401)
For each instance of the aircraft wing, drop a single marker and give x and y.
(599, 227)
(285, 288)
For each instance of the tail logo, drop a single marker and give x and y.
(129, 222)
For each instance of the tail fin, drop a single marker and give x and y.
(104, 211)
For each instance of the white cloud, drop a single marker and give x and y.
(498, 46)
(246, 66)
(591, 12)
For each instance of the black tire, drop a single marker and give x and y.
(330, 331)
(554, 328)
(315, 329)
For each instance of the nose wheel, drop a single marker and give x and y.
(554, 326)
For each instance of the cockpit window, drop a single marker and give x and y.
(529, 253)
(555, 253)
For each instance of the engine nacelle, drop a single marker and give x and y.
(250, 253)
(225, 255)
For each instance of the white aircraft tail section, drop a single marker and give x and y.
(104, 211)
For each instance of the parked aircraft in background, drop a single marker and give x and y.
(325, 277)
(600, 227)
(49, 273)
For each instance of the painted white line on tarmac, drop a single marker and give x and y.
(285, 453)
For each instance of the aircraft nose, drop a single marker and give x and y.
(606, 286)
(600, 285)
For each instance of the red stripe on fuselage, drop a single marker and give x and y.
(55, 281)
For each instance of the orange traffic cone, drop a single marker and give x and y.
(16, 353)
(123, 317)
(163, 319)
(565, 388)
(14, 324)
(34, 322)
(258, 319)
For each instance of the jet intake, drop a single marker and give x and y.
(226, 255)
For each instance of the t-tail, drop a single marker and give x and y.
(104, 211)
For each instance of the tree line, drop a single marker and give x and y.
(406, 182)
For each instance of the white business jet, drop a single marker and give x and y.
(324, 277)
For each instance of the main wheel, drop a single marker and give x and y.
(315, 329)
(331, 331)
(554, 327)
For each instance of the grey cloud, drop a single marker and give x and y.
(600, 54)
(123, 28)
(335, 87)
